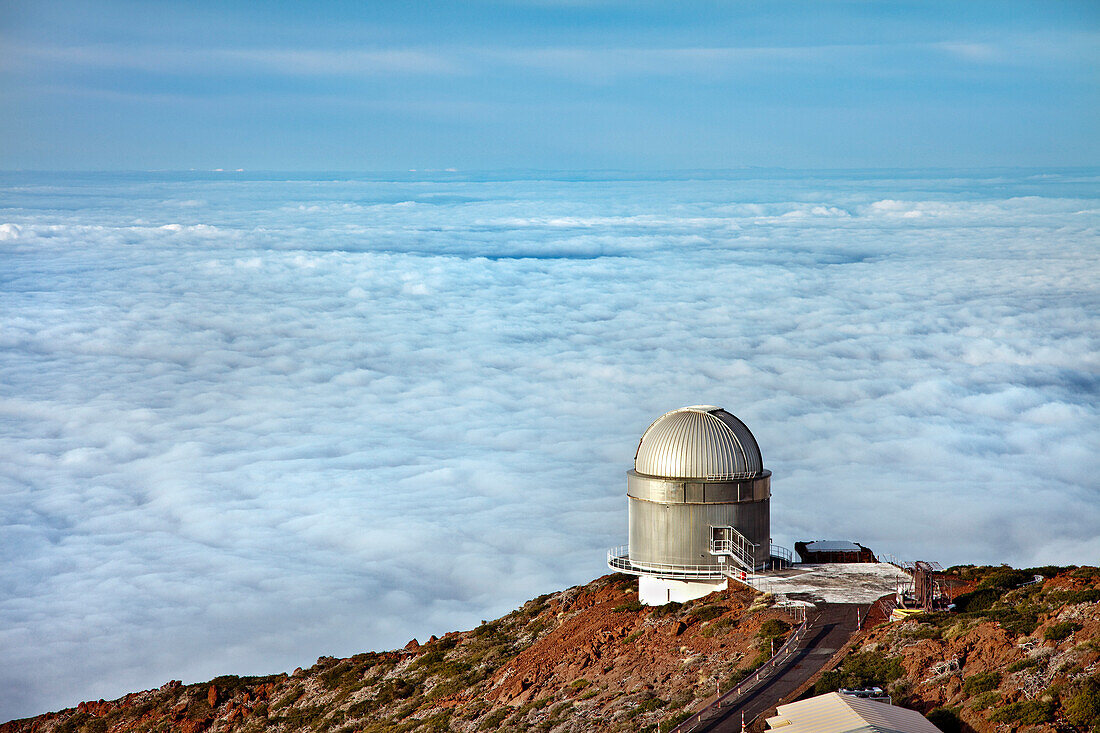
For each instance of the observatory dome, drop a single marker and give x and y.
(698, 442)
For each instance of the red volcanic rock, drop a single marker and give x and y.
(192, 726)
(212, 696)
(96, 707)
(412, 646)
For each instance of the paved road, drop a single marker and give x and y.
(831, 630)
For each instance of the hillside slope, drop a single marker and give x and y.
(589, 658)
(1016, 655)
(1012, 658)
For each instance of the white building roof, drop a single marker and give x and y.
(835, 713)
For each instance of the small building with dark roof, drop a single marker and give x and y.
(820, 551)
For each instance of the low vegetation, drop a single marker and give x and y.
(861, 670)
(590, 658)
(1015, 654)
(1019, 651)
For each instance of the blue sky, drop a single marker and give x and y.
(549, 85)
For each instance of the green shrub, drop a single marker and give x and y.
(1020, 621)
(521, 713)
(397, 689)
(675, 720)
(487, 629)
(445, 645)
(986, 700)
(287, 700)
(719, 626)
(946, 719)
(666, 609)
(758, 661)
(331, 678)
(1082, 708)
(439, 722)
(737, 675)
(1006, 578)
(708, 612)
(629, 607)
(301, 717)
(454, 669)
(978, 600)
(493, 720)
(1049, 571)
(579, 684)
(900, 690)
(363, 707)
(1021, 664)
(863, 669)
(622, 581)
(650, 705)
(537, 626)
(1028, 712)
(72, 725)
(924, 631)
(430, 659)
(830, 681)
(979, 683)
(773, 627)
(1060, 631)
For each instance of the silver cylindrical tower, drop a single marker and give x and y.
(698, 478)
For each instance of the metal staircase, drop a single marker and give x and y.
(728, 542)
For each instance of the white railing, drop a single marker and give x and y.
(736, 547)
(618, 558)
(891, 559)
(761, 673)
(782, 553)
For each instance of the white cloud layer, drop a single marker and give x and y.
(244, 423)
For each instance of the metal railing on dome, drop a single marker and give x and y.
(618, 558)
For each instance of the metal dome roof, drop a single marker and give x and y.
(700, 442)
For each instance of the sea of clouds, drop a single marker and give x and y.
(249, 420)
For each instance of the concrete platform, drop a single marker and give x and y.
(832, 582)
